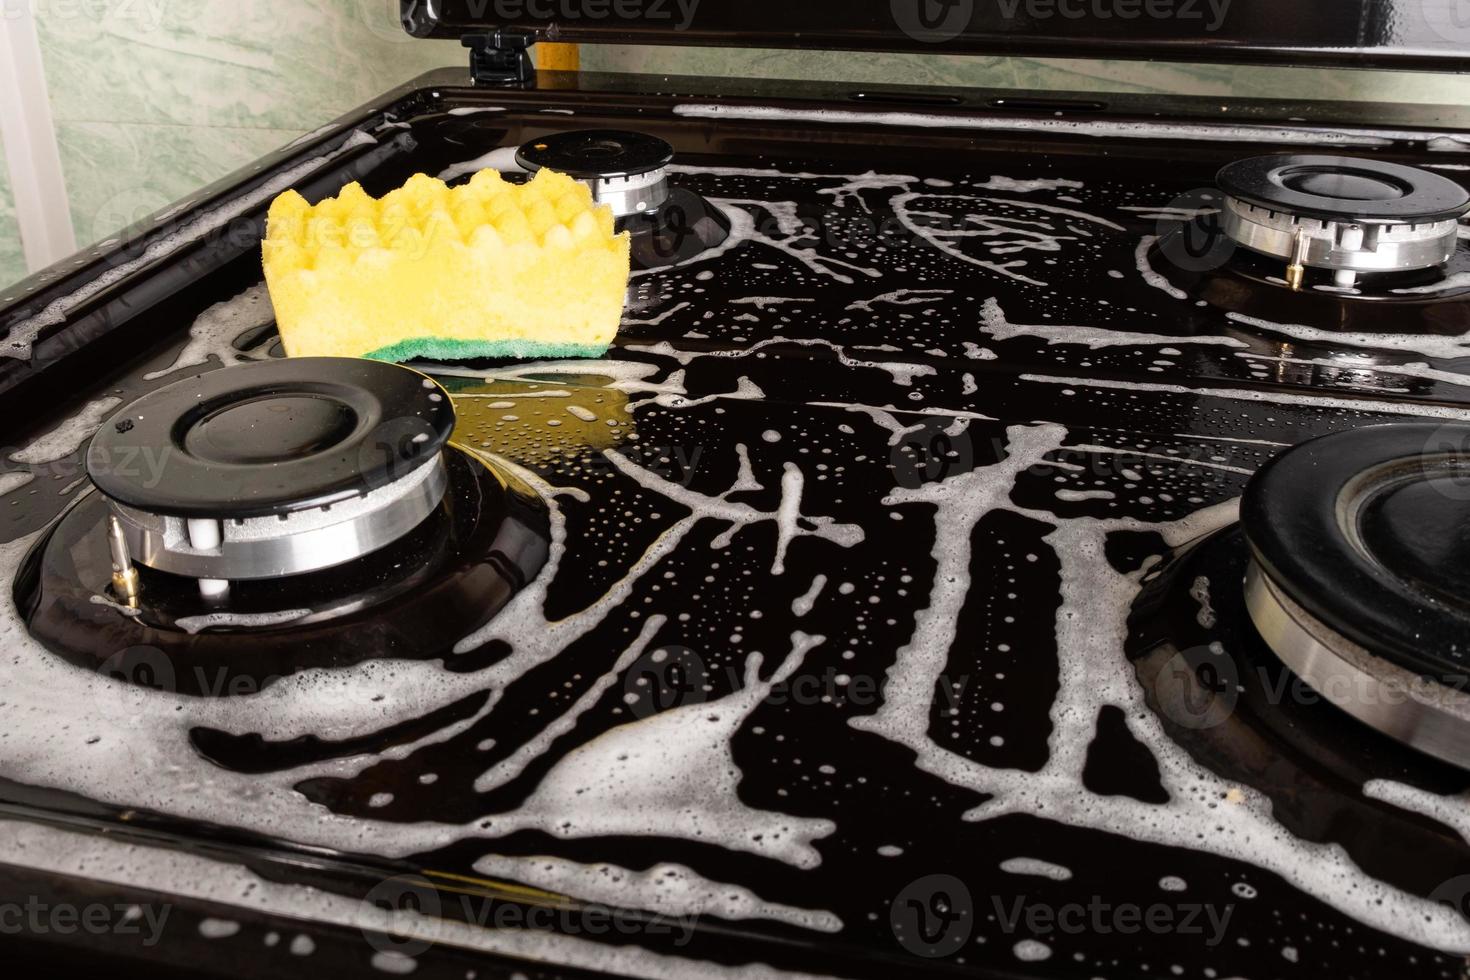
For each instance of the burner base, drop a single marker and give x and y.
(1224, 697)
(412, 600)
(1388, 303)
(677, 232)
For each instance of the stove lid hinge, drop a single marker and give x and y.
(501, 57)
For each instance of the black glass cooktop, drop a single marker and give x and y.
(889, 543)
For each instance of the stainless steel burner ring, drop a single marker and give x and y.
(285, 544)
(1343, 247)
(1432, 717)
(633, 194)
(1347, 215)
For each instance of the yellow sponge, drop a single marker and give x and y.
(488, 269)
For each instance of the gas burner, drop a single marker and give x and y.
(1360, 545)
(629, 173)
(262, 519)
(1344, 215)
(626, 171)
(271, 469)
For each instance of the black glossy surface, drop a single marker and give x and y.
(877, 340)
(1365, 530)
(272, 437)
(1337, 188)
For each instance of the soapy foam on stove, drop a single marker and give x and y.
(514, 764)
(1456, 281)
(197, 624)
(1035, 866)
(1430, 345)
(67, 437)
(672, 774)
(1005, 235)
(900, 297)
(10, 482)
(1071, 127)
(1010, 184)
(180, 873)
(213, 332)
(1091, 626)
(1149, 273)
(602, 793)
(803, 603)
(1452, 811)
(502, 158)
(668, 889)
(994, 319)
(1413, 369)
(787, 224)
(218, 928)
(1274, 397)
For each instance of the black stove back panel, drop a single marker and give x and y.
(1422, 33)
(872, 638)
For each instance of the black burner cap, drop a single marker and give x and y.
(1369, 531)
(1344, 189)
(270, 438)
(591, 153)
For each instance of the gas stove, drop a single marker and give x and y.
(997, 544)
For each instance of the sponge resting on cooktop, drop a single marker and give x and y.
(487, 269)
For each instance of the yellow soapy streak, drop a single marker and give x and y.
(539, 427)
(486, 888)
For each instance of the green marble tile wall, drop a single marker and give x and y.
(153, 99)
(12, 265)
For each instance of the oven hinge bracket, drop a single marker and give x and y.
(501, 57)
